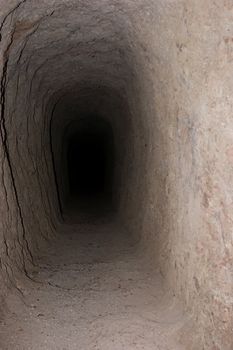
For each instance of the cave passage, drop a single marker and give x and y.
(116, 173)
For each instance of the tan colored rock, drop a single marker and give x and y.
(160, 73)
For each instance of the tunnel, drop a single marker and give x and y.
(116, 174)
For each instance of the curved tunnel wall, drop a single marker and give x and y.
(160, 71)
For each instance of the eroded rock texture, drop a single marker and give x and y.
(160, 73)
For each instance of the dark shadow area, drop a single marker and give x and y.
(90, 162)
(90, 159)
(87, 163)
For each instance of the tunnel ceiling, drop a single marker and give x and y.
(93, 47)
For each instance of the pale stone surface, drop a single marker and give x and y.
(94, 291)
(161, 72)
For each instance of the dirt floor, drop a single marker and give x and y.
(94, 291)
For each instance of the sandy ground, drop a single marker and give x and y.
(94, 291)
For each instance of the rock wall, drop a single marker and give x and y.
(161, 73)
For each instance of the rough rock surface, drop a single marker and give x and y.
(160, 72)
(94, 290)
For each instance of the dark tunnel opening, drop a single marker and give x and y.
(89, 154)
(90, 163)
(86, 158)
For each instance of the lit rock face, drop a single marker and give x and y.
(160, 73)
